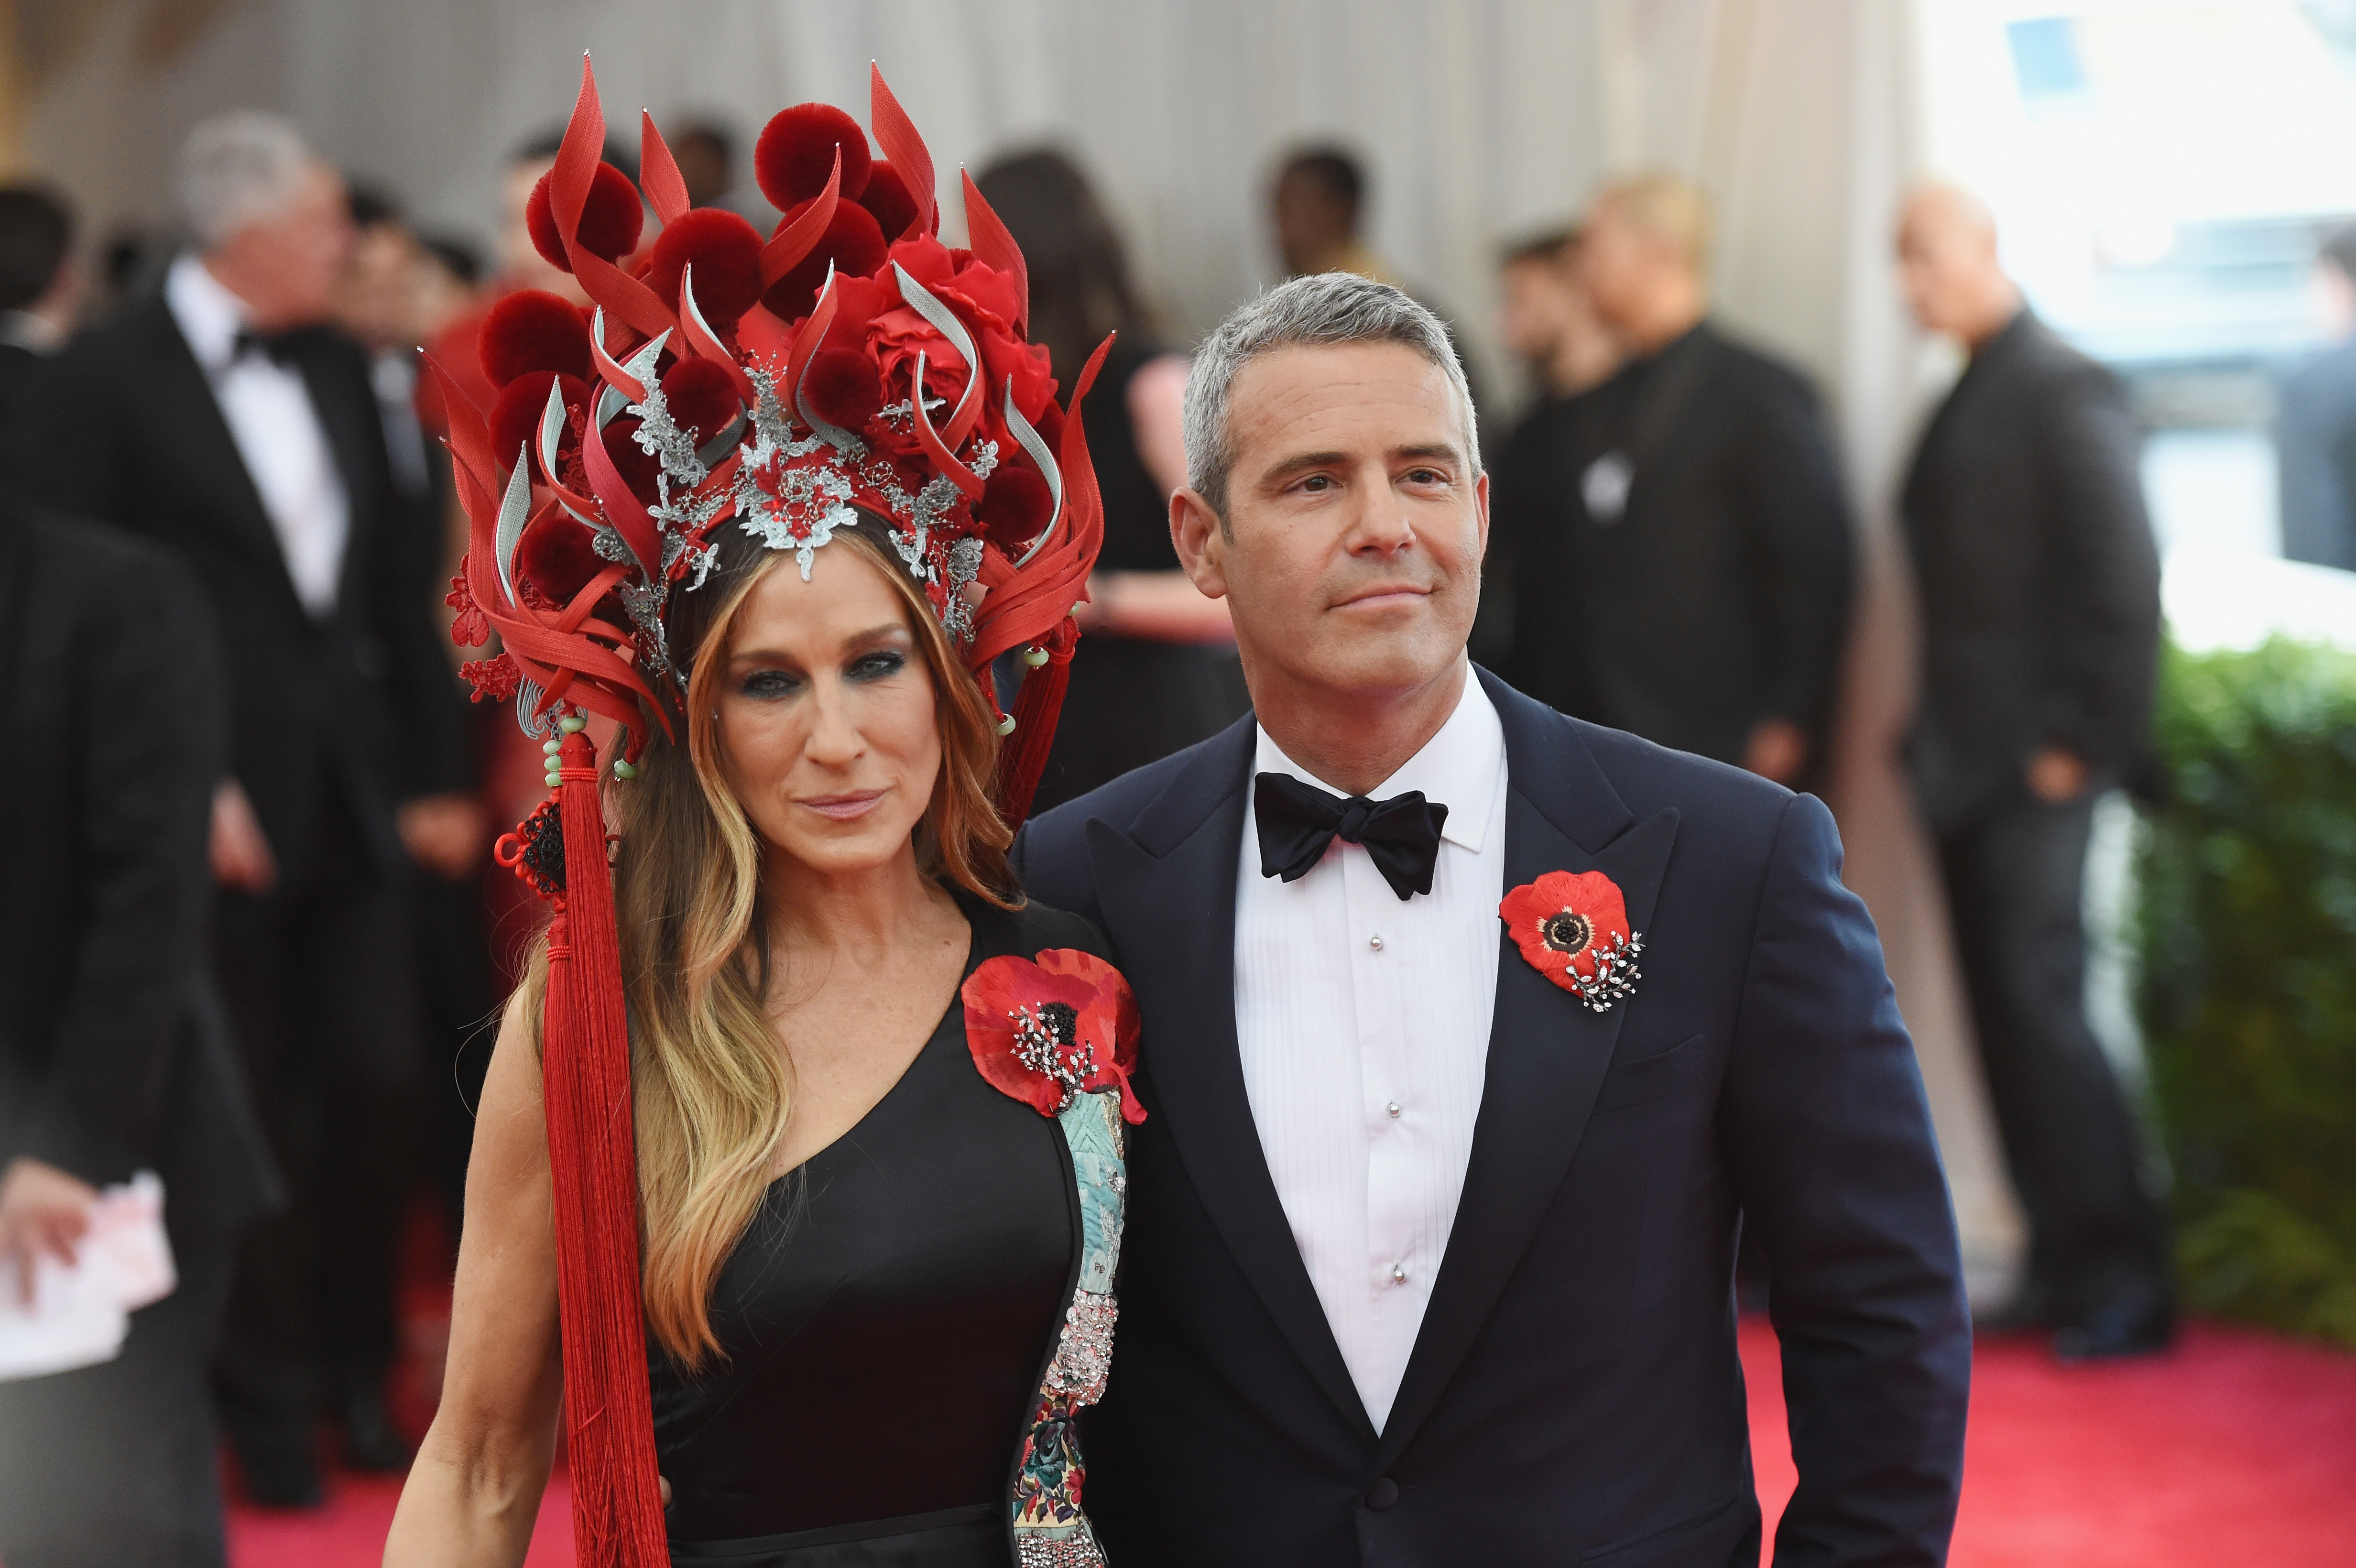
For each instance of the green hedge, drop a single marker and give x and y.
(2248, 956)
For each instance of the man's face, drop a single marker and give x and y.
(1936, 269)
(1618, 262)
(294, 257)
(1351, 557)
(1536, 309)
(1311, 223)
(377, 299)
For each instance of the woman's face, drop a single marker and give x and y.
(827, 730)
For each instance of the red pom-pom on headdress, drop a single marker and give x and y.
(852, 243)
(701, 396)
(515, 417)
(795, 152)
(610, 220)
(557, 557)
(843, 388)
(1014, 507)
(534, 330)
(886, 197)
(726, 252)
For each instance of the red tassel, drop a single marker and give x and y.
(617, 1519)
(1035, 711)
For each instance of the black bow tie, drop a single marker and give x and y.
(1298, 820)
(271, 346)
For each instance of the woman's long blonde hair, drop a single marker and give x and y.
(710, 1089)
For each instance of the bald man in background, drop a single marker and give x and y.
(2040, 627)
(1683, 554)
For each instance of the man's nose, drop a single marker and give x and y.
(1382, 525)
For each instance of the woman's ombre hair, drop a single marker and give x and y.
(712, 1089)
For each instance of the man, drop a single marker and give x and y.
(113, 1058)
(1318, 204)
(220, 421)
(378, 305)
(2315, 423)
(1683, 554)
(2041, 633)
(1428, 1259)
(1545, 320)
(40, 287)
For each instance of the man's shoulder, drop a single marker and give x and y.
(1736, 362)
(1712, 800)
(1125, 801)
(72, 550)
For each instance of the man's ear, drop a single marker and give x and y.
(1201, 543)
(1481, 504)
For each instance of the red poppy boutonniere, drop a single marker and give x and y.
(1573, 929)
(1044, 1030)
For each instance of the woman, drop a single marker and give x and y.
(875, 1099)
(1159, 670)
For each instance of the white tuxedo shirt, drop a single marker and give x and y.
(1363, 1027)
(268, 409)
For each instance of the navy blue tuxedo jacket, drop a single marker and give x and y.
(1574, 1395)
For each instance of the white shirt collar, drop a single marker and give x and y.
(1459, 767)
(209, 316)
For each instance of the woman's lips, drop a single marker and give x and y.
(843, 807)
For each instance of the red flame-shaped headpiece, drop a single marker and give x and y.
(722, 380)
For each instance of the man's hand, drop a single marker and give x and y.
(445, 833)
(42, 1210)
(242, 857)
(2057, 776)
(1778, 750)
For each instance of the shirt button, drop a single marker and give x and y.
(1398, 1274)
(1376, 942)
(1394, 1109)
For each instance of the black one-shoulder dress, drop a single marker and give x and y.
(886, 1322)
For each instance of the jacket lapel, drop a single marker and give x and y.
(352, 428)
(1547, 1051)
(1167, 891)
(187, 411)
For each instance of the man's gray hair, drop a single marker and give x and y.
(235, 167)
(1321, 309)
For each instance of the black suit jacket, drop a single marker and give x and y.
(350, 713)
(1718, 596)
(111, 1060)
(1574, 1394)
(2040, 580)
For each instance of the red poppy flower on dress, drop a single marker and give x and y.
(1046, 1030)
(1572, 926)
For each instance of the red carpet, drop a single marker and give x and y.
(2237, 1448)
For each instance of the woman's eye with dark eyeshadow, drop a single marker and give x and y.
(767, 684)
(879, 664)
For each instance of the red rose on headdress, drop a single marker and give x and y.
(1042, 1031)
(1572, 927)
(985, 301)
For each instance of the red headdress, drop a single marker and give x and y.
(726, 380)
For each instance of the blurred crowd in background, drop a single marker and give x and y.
(1674, 552)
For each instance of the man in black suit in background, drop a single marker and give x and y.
(1429, 1258)
(40, 287)
(220, 421)
(112, 1056)
(2040, 633)
(1683, 556)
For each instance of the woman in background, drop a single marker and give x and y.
(1157, 671)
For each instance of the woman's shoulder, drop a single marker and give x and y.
(1039, 925)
